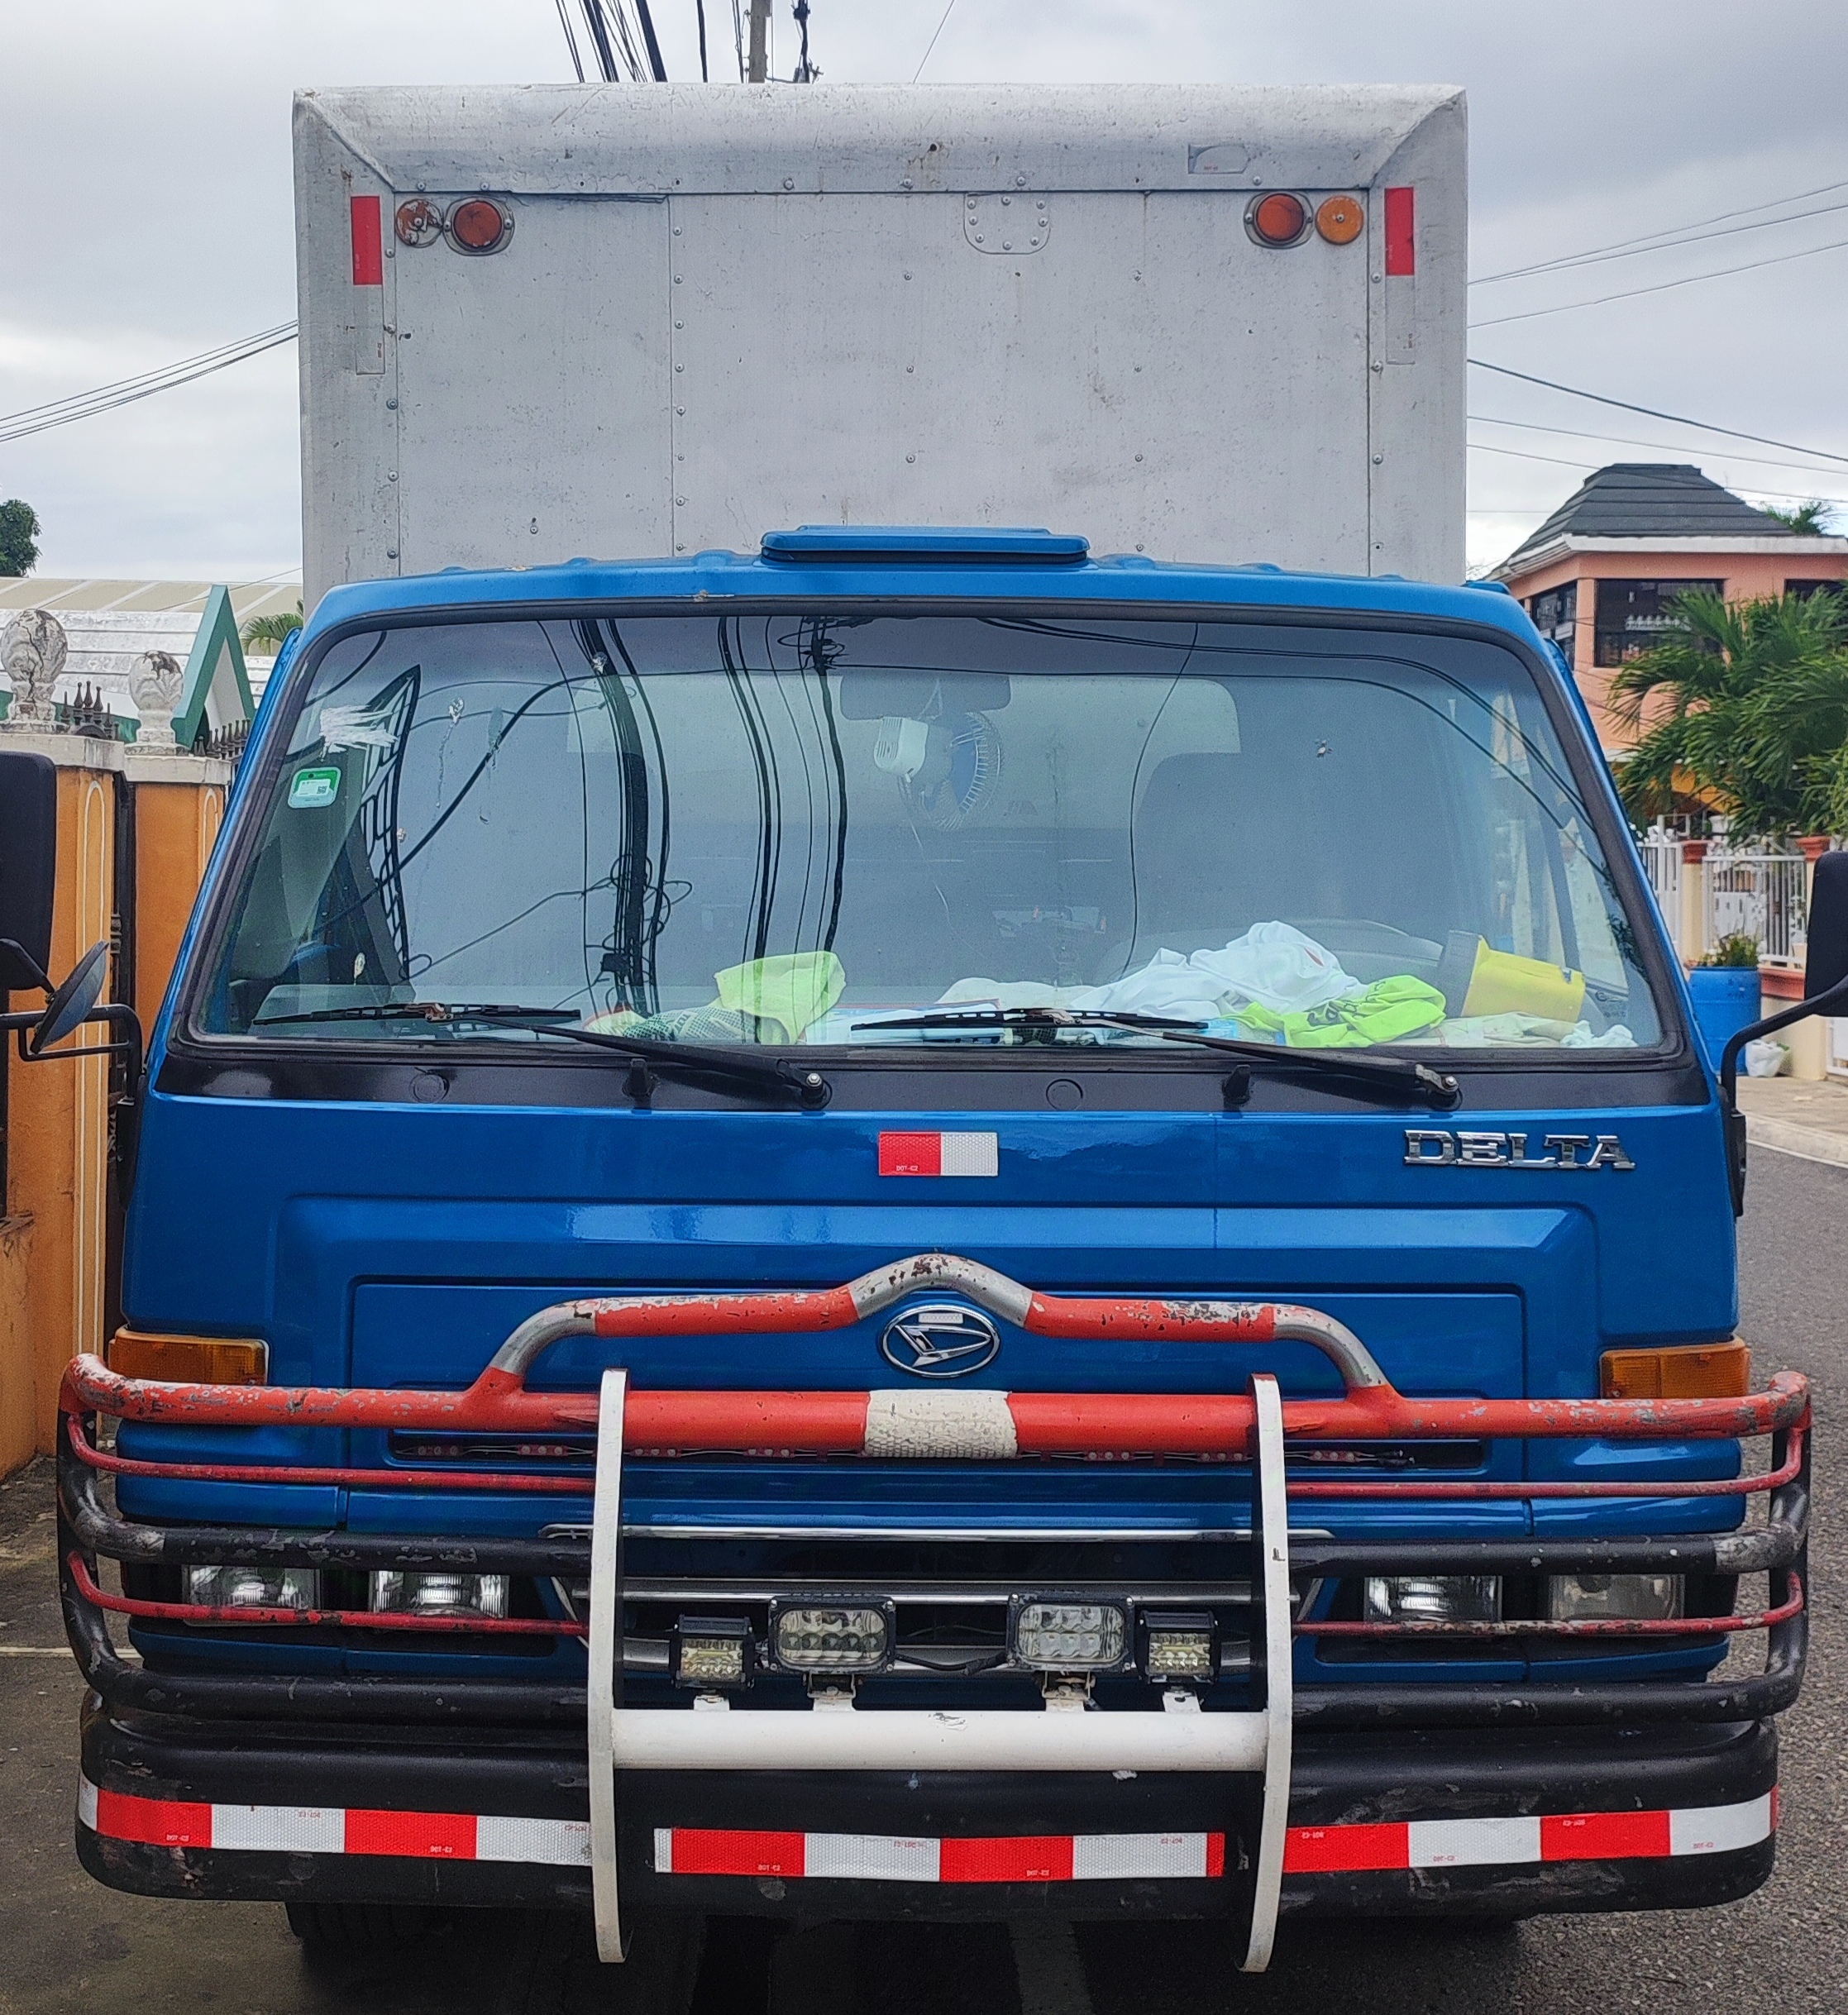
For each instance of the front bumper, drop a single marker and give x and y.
(1390, 1798)
(1483, 1824)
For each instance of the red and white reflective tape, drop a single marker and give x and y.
(872, 1857)
(1550, 1837)
(940, 1154)
(334, 1829)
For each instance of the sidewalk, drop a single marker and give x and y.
(1796, 1117)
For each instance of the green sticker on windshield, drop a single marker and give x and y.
(311, 789)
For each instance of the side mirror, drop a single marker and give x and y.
(1824, 992)
(1827, 964)
(28, 868)
(69, 1007)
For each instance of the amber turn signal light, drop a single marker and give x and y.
(1341, 219)
(1683, 1371)
(189, 1360)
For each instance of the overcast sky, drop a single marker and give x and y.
(144, 151)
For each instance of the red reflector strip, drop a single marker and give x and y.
(1512, 1842)
(940, 1154)
(872, 1857)
(368, 242)
(288, 1828)
(1402, 244)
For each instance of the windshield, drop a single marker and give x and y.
(790, 829)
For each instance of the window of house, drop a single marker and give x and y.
(1631, 614)
(1555, 613)
(1803, 589)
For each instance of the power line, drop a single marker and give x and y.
(124, 392)
(931, 43)
(1624, 247)
(1665, 447)
(1653, 412)
(1835, 245)
(1558, 462)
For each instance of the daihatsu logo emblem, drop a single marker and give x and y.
(940, 1340)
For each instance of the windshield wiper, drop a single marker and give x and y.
(421, 1010)
(1044, 1022)
(1400, 1074)
(696, 1061)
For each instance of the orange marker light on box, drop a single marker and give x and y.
(1341, 219)
(190, 1360)
(1677, 1371)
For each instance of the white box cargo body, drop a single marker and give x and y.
(722, 310)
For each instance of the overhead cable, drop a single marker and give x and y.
(1655, 412)
(124, 392)
(1688, 279)
(1660, 241)
(931, 43)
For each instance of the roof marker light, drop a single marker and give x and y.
(477, 224)
(1277, 220)
(1341, 219)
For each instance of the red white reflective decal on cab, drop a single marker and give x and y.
(332, 1829)
(872, 1857)
(940, 1154)
(1550, 1837)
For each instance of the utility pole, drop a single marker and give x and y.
(760, 41)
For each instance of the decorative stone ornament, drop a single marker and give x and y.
(154, 686)
(32, 653)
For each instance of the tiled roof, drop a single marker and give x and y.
(1648, 500)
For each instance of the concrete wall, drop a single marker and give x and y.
(55, 1229)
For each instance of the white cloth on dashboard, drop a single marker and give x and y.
(1273, 964)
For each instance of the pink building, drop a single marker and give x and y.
(1598, 575)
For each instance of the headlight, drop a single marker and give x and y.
(439, 1595)
(712, 1651)
(1052, 1636)
(1433, 1598)
(825, 1637)
(1181, 1645)
(254, 1588)
(1633, 1598)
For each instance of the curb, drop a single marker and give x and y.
(1811, 1142)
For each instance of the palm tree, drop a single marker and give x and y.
(1750, 702)
(1811, 518)
(266, 635)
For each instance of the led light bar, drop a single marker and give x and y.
(400, 1593)
(712, 1651)
(1057, 1633)
(254, 1588)
(849, 1636)
(1177, 1644)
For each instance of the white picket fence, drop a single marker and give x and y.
(1751, 891)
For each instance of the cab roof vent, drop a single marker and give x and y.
(938, 544)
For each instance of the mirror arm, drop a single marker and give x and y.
(1831, 998)
(1836, 996)
(122, 1015)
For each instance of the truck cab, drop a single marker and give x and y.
(914, 1224)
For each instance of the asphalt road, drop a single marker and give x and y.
(68, 1945)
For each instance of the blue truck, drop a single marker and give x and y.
(913, 1224)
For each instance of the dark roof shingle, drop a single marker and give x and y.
(1648, 500)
